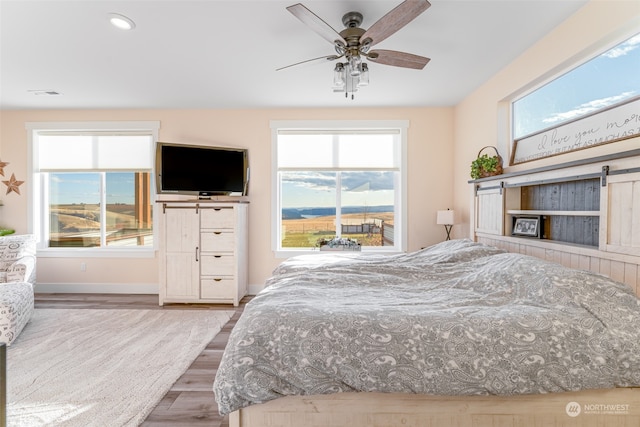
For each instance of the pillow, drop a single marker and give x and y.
(14, 248)
(17, 271)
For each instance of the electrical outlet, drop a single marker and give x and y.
(83, 266)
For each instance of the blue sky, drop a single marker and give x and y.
(317, 189)
(68, 188)
(605, 80)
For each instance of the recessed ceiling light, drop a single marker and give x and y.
(121, 21)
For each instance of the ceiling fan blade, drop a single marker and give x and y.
(397, 18)
(316, 23)
(398, 59)
(327, 57)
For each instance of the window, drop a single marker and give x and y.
(339, 179)
(92, 185)
(610, 78)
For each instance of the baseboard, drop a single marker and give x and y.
(111, 288)
(97, 288)
(254, 289)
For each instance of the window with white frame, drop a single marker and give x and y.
(608, 79)
(92, 184)
(339, 179)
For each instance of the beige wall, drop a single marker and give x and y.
(430, 155)
(482, 118)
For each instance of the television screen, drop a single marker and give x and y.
(201, 170)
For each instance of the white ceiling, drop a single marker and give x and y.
(224, 54)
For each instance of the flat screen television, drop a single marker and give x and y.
(201, 170)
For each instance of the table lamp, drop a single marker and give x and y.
(446, 218)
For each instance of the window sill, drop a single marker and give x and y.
(292, 253)
(95, 253)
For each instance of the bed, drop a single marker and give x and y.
(459, 333)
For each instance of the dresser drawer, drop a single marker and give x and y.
(217, 287)
(217, 240)
(217, 265)
(218, 218)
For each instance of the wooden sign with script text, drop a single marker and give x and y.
(617, 122)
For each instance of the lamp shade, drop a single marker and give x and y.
(445, 217)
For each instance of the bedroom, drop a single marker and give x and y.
(442, 142)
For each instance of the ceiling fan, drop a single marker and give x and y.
(354, 43)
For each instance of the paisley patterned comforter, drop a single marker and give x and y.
(457, 318)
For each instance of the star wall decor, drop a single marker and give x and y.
(2, 165)
(13, 184)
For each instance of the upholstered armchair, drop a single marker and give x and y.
(17, 278)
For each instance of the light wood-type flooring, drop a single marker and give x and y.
(190, 401)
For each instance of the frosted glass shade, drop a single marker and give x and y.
(445, 217)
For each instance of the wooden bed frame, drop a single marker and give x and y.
(612, 408)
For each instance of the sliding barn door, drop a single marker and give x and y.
(489, 211)
(620, 210)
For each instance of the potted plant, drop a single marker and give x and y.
(485, 165)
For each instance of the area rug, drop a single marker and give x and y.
(85, 367)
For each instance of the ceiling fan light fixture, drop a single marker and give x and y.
(354, 65)
(364, 75)
(122, 22)
(338, 76)
(348, 82)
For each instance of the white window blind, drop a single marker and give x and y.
(339, 150)
(97, 152)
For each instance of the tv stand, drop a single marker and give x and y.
(203, 252)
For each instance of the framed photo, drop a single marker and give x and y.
(527, 226)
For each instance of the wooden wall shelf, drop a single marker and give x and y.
(551, 212)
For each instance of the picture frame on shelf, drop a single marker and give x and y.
(527, 226)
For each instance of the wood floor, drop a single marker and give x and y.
(190, 401)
